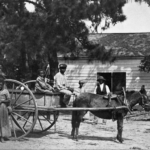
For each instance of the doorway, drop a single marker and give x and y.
(114, 80)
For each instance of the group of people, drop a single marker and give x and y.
(60, 84)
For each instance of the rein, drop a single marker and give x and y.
(142, 96)
(125, 100)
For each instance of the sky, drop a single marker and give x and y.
(138, 19)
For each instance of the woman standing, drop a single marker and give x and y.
(5, 131)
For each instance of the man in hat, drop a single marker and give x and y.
(62, 85)
(101, 89)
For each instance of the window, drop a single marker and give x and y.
(115, 80)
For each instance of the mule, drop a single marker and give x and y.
(89, 100)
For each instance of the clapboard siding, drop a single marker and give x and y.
(82, 69)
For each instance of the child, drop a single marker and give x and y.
(5, 131)
(81, 88)
(41, 85)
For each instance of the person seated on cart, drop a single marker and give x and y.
(81, 88)
(41, 85)
(5, 131)
(62, 85)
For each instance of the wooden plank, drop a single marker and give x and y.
(44, 108)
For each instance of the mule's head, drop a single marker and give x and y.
(146, 104)
(136, 98)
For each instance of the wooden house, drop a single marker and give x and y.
(129, 49)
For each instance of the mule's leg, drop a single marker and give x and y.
(79, 117)
(77, 129)
(120, 128)
(73, 121)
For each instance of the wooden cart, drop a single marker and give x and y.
(32, 111)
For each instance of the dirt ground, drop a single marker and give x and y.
(136, 135)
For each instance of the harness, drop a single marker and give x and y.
(142, 102)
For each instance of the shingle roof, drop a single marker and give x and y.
(124, 44)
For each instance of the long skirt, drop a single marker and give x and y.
(5, 130)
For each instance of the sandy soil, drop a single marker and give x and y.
(136, 136)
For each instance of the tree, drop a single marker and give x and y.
(145, 64)
(53, 28)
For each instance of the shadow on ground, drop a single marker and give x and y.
(92, 138)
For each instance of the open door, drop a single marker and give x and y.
(119, 81)
(114, 80)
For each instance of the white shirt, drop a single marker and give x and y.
(102, 86)
(78, 90)
(60, 81)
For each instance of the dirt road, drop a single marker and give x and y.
(136, 136)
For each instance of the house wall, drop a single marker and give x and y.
(82, 69)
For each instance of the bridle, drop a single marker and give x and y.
(143, 104)
(142, 96)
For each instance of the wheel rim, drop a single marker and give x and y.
(24, 112)
(45, 120)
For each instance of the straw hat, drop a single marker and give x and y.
(100, 78)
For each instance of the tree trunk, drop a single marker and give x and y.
(53, 62)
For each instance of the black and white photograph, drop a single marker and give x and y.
(74, 74)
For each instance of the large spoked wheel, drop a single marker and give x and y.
(23, 112)
(46, 119)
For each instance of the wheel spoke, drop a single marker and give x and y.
(18, 124)
(27, 119)
(23, 103)
(13, 126)
(19, 96)
(12, 90)
(40, 123)
(21, 117)
(47, 119)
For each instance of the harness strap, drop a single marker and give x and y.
(125, 100)
(142, 96)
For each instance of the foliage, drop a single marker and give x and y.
(29, 41)
(101, 54)
(145, 64)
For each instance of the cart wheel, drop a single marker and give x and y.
(23, 106)
(45, 120)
